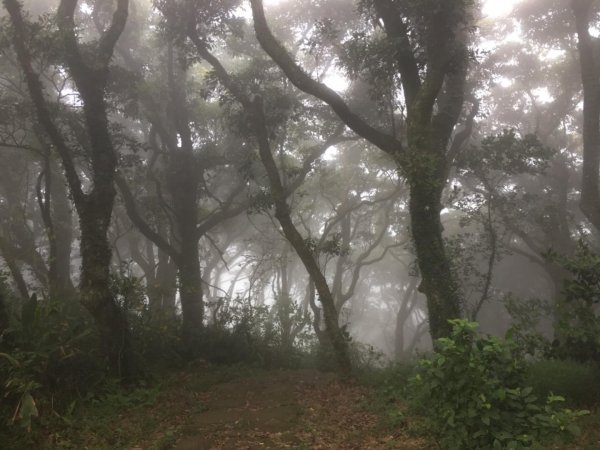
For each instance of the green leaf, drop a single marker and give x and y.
(27, 410)
(12, 360)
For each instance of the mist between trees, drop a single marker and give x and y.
(239, 181)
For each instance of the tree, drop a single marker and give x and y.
(426, 48)
(88, 64)
(589, 61)
(201, 29)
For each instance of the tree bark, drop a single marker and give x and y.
(590, 76)
(438, 283)
(62, 219)
(56, 215)
(190, 291)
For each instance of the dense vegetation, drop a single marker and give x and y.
(199, 199)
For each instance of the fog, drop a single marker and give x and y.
(227, 182)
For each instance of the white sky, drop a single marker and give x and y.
(498, 8)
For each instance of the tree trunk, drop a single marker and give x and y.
(338, 341)
(590, 71)
(15, 271)
(96, 295)
(190, 291)
(438, 283)
(427, 181)
(60, 264)
(94, 208)
(166, 279)
(183, 180)
(406, 308)
(3, 311)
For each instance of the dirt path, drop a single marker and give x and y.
(291, 409)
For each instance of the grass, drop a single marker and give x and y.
(578, 382)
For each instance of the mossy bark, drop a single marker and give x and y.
(424, 165)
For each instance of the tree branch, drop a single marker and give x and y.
(305, 83)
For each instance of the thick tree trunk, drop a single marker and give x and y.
(438, 283)
(95, 291)
(190, 291)
(183, 183)
(590, 73)
(426, 177)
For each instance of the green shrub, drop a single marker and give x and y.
(391, 385)
(472, 391)
(578, 382)
(578, 330)
(263, 336)
(48, 347)
(527, 316)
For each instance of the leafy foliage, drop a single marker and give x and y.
(240, 332)
(472, 390)
(525, 331)
(49, 346)
(509, 153)
(579, 324)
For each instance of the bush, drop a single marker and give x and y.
(578, 331)
(240, 332)
(526, 329)
(49, 347)
(472, 391)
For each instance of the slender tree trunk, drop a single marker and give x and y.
(282, 213)
(63, 234)
(57, 217)
(3, 312)
(15, 271)
(166, 278)
(404, 312)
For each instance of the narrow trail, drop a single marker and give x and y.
(290, 409)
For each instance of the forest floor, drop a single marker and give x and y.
(278, 410)
(220, 407)
(233, 408)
